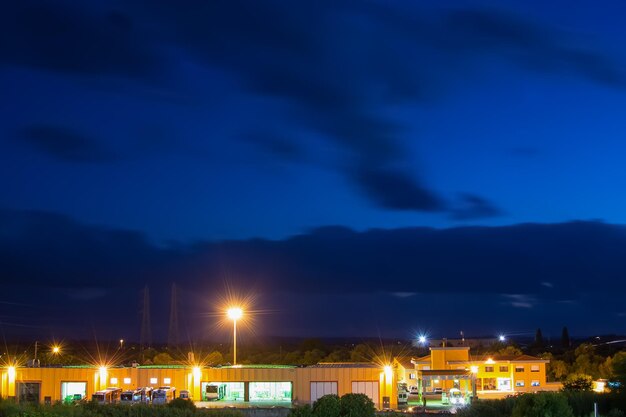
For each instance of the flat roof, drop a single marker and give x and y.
(345, 365)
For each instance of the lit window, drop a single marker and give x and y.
(113, 381)
(488, 368)
(534, 368)
(167, 381)
(153, 380)
(504, 369)
(127, 380)
(534, 383)
(519, 383)
(426, 368)
(519, 368)
(411, 376)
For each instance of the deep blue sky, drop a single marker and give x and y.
(138, 135)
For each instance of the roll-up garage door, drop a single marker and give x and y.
(319, 389)
(369, 388)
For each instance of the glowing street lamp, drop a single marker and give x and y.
(56, 350)
(234, 313)
(502, 338)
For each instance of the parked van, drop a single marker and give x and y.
(163, 395)
(143, 395)
(127, 397)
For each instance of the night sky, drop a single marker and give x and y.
(358, 168)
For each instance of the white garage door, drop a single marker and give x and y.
(319, 389)
(369, 388)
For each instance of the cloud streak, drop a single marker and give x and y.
(64, 144)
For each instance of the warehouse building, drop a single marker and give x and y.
(246, 383)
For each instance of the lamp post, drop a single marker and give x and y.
(235, 314)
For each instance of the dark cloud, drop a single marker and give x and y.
(474, 207)
(69, 37)
(40, 248)
(397, 190)
(64, 144)
(53, 250)
(51, 258)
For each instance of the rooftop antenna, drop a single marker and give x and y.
(146, 330)
(172, 339)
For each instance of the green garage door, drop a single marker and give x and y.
(73, 391)
(270, 391)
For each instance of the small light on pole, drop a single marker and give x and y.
(121, 344)
(235, 313)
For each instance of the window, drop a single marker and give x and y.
(127, 380)
(534, 383)
(479, 384)
(489, 384)
(412, 376)
(519, 383)
(113, 381)
(153, 380)
(504, 384)
(534, 368)
(426, 368)
(167, 381)
(519, 368)
(488, 368)
(504, 369)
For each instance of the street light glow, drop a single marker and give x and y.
(56, 350)
(422, 339)
(502, 338)
(235, 313)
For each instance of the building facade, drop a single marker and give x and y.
(247, 383)
(485, 376)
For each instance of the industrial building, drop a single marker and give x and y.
(445, 369)
(248, 383)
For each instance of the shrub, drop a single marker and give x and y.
(301, 411)
(578, 382)
(480, 409)
(357, 405)
(327, 406)
(544, 404)
(181, 404)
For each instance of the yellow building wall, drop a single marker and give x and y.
(527, 375)
(439, 357)
(184, 378)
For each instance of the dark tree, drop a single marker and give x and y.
(565, 341)
(539, 338)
